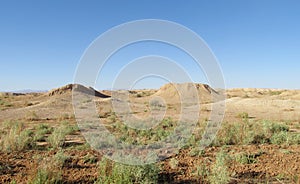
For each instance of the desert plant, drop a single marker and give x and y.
(243, 115)
(173, 162)
(219, 173)
(111, 172)
(50, 169)
(245, 158)
(202, 172)
(40, 131)
(57, 138)
(90, 159)
(16, 138)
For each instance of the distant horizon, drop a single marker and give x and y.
(101, 89)
(256, 42)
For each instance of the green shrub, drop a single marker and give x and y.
(16, 138)
(58, 136)
(245, 158)
(40, 131)
(49, 171)
(219, 173)
(111, 172)
(243, 115)
(90, 159)
(261, 132)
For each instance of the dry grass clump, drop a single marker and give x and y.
(15, 137)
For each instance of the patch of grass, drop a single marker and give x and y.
(57, 138)
(40, 131)
(112, 172)
(273, 93)
(260, 132)
(202, 172)
(285, 138)
(243, 115)
(219, 173)
(245, 158)
(91, 159)
(130, 135)
(16, 138)
(173, 162)
(50, 169)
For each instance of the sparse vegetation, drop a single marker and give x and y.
(219, 173)
(247, 132)
(246, 158)
(112, 172)
(40, 131)
(35, 148)
(58, 136)
(90, 159)
(49, 170)
(16, 138)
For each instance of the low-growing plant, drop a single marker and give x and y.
(112, 172)
(202, 172)
(58, 136)
(16, 138)
(91, 159)
(50, 169)
(173, 162)
(260, 132)
(40, 132)
(243, 115)
(245, 158)
(219, 172)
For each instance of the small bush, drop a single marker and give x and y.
(40, 131)
(90, 159)
(243, 115)
(245, 158)
(57, 138)
(261, 132)
(173, 162)
(219, 172)
(16, 138)
(111, 172)
(50, 169)
(202, 172)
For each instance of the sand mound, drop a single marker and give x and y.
(190, 92)
(78, 88)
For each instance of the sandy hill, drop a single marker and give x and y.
(173, 92)
(78, 88)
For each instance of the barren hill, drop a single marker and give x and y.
(173, 92)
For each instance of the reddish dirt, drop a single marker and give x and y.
(273, 164)
(22, 166)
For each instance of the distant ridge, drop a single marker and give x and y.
(26, 91)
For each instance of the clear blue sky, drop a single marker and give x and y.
(257, 42)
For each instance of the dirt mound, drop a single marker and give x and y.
(174, 92)
(78, 88)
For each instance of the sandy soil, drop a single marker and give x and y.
(259, 104)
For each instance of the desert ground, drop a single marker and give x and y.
(258, 140)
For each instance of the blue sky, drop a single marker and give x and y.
(257, 42)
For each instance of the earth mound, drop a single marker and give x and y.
(77, 88)
(174, 92)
